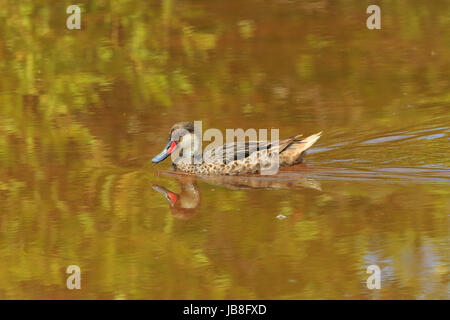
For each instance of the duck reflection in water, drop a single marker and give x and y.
(184, 205)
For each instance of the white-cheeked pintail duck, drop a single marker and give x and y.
(237, 158)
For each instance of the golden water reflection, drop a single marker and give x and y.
(82, 112)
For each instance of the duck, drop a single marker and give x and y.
(245, 158)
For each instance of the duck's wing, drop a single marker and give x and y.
(239, 150)
(233, 151)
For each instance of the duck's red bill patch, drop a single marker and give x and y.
(172, 146)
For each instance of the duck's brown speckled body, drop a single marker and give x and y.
(245, 157)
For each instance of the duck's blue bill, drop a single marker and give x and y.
(165, 153)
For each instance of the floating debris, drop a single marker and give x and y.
(281, 217)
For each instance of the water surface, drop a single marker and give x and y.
(82, 113)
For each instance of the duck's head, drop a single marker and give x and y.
(181, 139)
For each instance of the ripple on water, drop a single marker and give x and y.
(387, 139)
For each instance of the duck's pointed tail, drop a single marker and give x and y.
(294, 152)
(307, 143)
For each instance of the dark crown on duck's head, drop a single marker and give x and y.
(186, 125)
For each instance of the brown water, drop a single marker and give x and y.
(82, 112)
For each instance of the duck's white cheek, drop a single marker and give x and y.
(189, 145)
(186, 145)
(185, 142)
